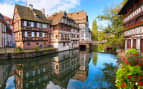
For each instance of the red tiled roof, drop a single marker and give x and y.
(6, 19)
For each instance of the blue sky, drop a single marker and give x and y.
(92, 7)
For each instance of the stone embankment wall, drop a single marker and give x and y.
(5, 56)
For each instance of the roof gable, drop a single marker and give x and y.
(27, 14)
(79, 17)
(56, 18)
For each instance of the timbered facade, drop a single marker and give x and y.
(81, 18)
(132, 13)
(31, 27)
(64, 32)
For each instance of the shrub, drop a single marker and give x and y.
(19, 49)
(132, 52)
(35, 48)
(129, 77)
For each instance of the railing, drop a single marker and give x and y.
(34, 38)
(85, 41)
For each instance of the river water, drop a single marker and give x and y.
(66, 70)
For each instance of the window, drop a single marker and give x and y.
(27, 74)
(32, 24)
(29, 23)
(25, 23)
(44, 25)
(38, 25)
(62, 20)
(57, 67)
(26, 34)
(37, 34)
(37, 43)
(56, 36)
(43, 35)
(28, 44)
(33, 34)
(7, 21)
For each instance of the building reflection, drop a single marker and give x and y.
(32, 75)
(38, 74)
(64, 67)
(42, 72)
(4, 74)
(82, 72)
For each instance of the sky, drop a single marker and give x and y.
(93, 8)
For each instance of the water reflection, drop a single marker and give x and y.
(66, 70)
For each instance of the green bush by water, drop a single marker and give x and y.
(19, 49)
(35, 48)
(132, 52)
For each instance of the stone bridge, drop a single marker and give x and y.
(99, 42)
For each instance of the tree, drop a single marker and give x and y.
(115, 27)
(94, 60)
(94, 31)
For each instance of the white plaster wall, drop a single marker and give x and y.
(131, 43)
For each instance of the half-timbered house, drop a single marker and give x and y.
(65, 33)
(132, 13)
(31, 27)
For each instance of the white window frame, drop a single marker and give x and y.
(25, 23)
(44, 26)
(38, 34)
(33, 34)
(32, 24)
(38, 25)
(26, 34)
(43, 34)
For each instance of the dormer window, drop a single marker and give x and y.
(37, 16)
(65, 14)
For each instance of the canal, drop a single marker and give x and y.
(66, 70)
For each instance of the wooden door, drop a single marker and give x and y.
(128, 43)
(141, 45)
(134, 43)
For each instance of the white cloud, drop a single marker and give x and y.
(50, 6)
(7, 9)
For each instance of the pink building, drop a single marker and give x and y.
(6, 35)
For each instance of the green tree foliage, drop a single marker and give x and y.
(115, 25)
(94, 31)
(109, 72)
(101, 36)
(94, 60)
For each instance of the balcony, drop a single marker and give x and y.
(34, 38)
(35, 29)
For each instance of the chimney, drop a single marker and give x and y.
(47, 16)
(31, 6)
(43, 11)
